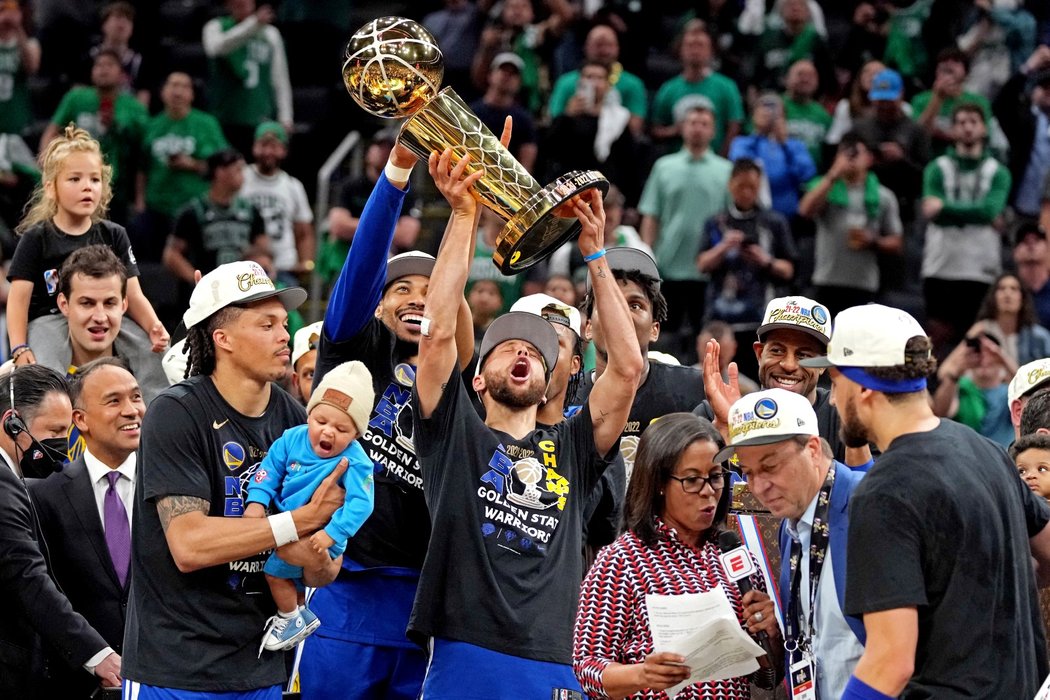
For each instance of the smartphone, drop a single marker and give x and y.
(585, 89)
(974, 343)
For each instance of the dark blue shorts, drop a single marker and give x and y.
(461, 671)
(139, 691)
(336, 669)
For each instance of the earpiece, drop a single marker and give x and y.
(12, 422)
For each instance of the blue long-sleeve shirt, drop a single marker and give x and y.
(291, 472)
(787, 166)
(359, 287)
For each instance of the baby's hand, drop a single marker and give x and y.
(255, 510)
(320, 541)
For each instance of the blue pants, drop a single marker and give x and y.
(461, 671)
(335, 669)
(139, 691)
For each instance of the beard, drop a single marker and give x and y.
(852, 431)
(501, 391)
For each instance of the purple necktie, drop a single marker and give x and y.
(118, 530)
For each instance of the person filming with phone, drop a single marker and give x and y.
(973, 385)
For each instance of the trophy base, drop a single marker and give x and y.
(539, 228)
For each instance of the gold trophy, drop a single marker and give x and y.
(393, 69)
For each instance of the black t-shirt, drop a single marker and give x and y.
(43, 248)
(214, 234)
(504, 574)
(397, 532)
(200, 631)
(941, 522)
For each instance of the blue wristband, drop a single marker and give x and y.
(857, 689)
(594, 256)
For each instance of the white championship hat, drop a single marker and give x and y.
(797, 313)
(765, 417)
(1028, 377)
(305, 340)
(548, 307)
(239, 282)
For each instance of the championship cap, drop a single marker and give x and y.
(305, 339)
(765, 417)
(413, 262)
(522, 325)
(799, 314)
(886, 85)
(626, 258)
(546, 306)
(236, 283)
(347, 387)
(175, 362)
(1028, 377)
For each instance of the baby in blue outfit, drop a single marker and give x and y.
(294, 467)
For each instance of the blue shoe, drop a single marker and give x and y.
(285, 632)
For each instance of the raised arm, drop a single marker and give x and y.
(613, 393)
(437, 347)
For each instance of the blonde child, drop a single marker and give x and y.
(297, 462)
(67, 212)
(1031, 453)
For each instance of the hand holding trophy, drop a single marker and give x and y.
(393, 69)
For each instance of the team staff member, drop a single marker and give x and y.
(942, 532)
(499, 587)
(774, 434)
(374, 317)
(793, 329)
(199, 599)
(36, 408)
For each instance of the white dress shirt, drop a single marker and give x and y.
(100, 484)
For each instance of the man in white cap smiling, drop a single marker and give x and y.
(773, 434)
(1024, 386)
(500, 585)
(942, 532)
(199, 598)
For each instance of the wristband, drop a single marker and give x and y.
(594, 256)
(283, 527)
(857, 689)
(18, 350)
(424, 327)
(396, 173)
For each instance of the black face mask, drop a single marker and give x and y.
(43, 458)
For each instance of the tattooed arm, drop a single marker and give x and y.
(197, 540)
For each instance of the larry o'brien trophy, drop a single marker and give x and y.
(393, 69)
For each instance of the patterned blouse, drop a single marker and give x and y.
(612, 624)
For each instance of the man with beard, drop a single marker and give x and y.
(942, 532)
(499, 587)
(793, 329)
(374, 316)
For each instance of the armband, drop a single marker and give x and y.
(396, 173)
(283, 527)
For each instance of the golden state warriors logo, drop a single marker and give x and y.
(233, 456)
(765, 408)
(405, 374)
(820, 315)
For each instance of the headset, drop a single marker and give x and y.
(13, 424)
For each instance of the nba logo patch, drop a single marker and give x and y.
(51, 281)
(232, 455)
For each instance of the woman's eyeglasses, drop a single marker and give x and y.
(695, 484)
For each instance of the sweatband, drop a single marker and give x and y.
(889, 386)
(395, 173)
(424, 327)
(283, 527)
(857, 689)
(594, 256)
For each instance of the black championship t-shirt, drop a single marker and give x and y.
(397, 532)
(201, 630)
(504, 567)
(43, 248)
(942, 522)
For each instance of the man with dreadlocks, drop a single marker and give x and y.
(200, 599)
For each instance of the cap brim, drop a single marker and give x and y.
(522, 325)
(626, 258)
(762, 330)
(413, 265)
(290, 297)
(817, 362)
(727, 451)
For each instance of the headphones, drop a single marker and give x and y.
(12, 422)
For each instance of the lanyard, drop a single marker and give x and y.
(796, 638)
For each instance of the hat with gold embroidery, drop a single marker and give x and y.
(305, 339)
(234, 284)
(799, 314)
(1028, 377)
(765, 417)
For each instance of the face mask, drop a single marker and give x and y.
(44, 457)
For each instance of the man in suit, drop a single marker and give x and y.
(36, 414)
(791, 471)
(86, 526)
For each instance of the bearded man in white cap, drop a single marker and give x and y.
(942, 532)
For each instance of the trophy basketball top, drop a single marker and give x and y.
(393, 67)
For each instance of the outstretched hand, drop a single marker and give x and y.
(720, 394)
(590, 210)
(454, 182)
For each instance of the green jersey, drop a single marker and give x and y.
(721, 94)
(243, 80)
(943, 120)
(197, 135)
(118, 128)
(905, 49)
(809, 123)
(15, 111)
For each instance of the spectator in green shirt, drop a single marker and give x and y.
(933, 108)
(780, 47)
(697, 81)
(176, 147)
(19, 58)
(807, 120)
(113, 117)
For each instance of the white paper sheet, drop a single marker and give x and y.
(703, 628)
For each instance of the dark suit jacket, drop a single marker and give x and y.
(1013, 109)
(80, 561)
(38, 614)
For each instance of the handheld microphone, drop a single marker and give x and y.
(738, 566)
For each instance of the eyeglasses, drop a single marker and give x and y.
(695, 484)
